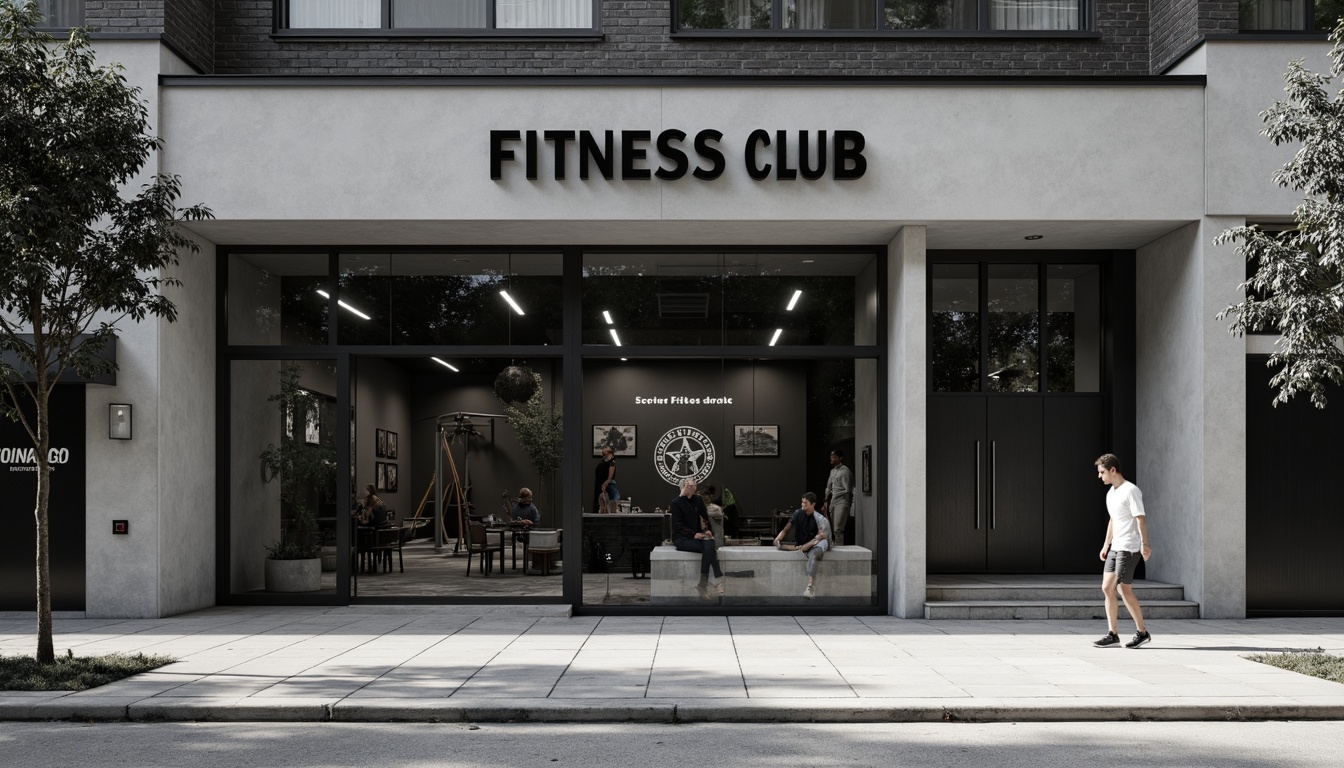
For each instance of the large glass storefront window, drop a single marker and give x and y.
(422, 457)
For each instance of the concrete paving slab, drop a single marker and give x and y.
(396, 663)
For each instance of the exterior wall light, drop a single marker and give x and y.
(119, 421)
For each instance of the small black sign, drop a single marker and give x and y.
(121, 527)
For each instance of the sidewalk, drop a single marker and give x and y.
(455, 663)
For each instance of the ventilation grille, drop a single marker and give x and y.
(683, 305)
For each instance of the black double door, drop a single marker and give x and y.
(1011, 486)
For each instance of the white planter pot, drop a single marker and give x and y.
(294, 575)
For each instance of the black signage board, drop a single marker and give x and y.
(18, 488)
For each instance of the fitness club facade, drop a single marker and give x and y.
(953, 214)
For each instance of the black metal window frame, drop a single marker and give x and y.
(982, 260)
(572, 353)
(1086, 26)
(280, 27)
(1308, 24)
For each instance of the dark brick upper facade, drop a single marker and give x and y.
(636, 41)
(235, 37)
(1177, 24)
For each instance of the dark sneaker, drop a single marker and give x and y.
(1110, 639)
(1139, 639)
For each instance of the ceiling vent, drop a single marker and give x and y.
(673, 306)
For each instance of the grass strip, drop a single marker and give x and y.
(1314, 663)
(73, 673)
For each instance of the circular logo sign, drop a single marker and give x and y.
(684, 452)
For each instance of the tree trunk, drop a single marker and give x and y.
(45, 652)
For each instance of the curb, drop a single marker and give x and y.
(662, 711)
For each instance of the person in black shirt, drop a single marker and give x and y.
(691, 532)
(810, 534)
(604, 482)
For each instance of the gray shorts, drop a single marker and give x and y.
(1122, 563)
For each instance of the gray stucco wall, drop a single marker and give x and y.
(636, 41)
(1191, 417)
(906, 463)
(187, 446)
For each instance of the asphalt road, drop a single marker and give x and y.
(944, 745)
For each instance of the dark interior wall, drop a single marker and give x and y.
(497, 464)
(381, 397)
(771, 393)
(65, 509)
(1293, 520)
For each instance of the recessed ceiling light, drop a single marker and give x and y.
(614, 337)
(1033, 237)
(775, 338)
(793, 302)
(462, 261)
(607, 316)
(808, 261)
(447, 365)
(623, 359)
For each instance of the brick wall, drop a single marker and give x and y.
(190, 26)
(636, 42)
(124, 15)
(1179, 23)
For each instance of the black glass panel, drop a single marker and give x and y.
(955, 340)
(1073, 314)
(1014, 328)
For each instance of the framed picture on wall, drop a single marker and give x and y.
(312, 430)
(391, 445)
(756, 440)
(380, 443)
(379, 476)
(621, 438)
(866, 470)
(289, 422)
(391, 477)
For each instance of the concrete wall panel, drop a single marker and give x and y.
(905, 461)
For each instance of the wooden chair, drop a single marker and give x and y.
(544, 545)
(478, 545)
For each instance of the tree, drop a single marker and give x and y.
(540, 429)
(1298, 285)
(76, 258)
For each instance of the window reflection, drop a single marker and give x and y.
(1014, 328)
(277, 299)
(738, 299)
(1073, 318)
(450, 299)
(955, 352)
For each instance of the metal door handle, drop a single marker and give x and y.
(993, 483)
(977, 485)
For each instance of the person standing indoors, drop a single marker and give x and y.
(1126, 542)
(839, 494)
(691, 532)
(604, 482)
(809, 529)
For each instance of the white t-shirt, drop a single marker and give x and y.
(1125, 503)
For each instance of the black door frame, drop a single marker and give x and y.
(1118, 334)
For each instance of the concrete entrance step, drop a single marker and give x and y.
(1146, 590)
(1053, 609)
(1044, 596)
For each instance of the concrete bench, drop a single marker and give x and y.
(765, 576)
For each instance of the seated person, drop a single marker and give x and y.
(691, 532)
(372, 511)
(811, 534)
(525, 512)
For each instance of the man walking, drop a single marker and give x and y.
(1126, 542)
(809, 530)
(839, 494)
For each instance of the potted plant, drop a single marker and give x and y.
(293, 562)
